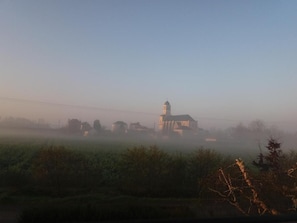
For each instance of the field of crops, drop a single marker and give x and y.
(64, 178)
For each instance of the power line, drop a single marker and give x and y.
(116, 110)
(97, 108)
(75, 106)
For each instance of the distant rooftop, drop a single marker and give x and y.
(178, 118)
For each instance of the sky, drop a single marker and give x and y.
(223, 62)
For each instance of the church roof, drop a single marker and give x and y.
(178, 118)
(183, 128)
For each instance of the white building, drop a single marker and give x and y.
(181, 124)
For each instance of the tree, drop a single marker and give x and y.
(97, 125)
(258, 130)
(241, 132)
(74, 125)
(271, 161)
(85, 126)
(257, 126)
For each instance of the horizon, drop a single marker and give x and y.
(89, 114)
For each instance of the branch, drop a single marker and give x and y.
(255, 199)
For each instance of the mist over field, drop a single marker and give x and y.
(237, 140)
(57, 115)
(88, 157)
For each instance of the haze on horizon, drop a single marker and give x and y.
(222, 62)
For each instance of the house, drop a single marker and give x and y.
(119, 127)
(137, 129)
(181, 124)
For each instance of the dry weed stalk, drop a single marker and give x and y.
(262, 207)
(231, 193)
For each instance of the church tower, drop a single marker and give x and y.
(166, 113)
(167, 109)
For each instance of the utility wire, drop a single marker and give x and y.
(75, 106)
(108, 109)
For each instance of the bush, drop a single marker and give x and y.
(57, 167)
(144, 170)
(202, 164)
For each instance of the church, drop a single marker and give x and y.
(181, 124)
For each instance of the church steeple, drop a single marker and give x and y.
(167, 109)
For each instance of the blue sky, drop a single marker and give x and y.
(221, 61)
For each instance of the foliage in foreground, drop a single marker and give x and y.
(148, 171)
(141, 171)
(269, 191)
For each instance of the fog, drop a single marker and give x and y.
(37, 125)
(57, 115)
(52, 121)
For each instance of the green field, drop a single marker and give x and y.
(55, 178)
